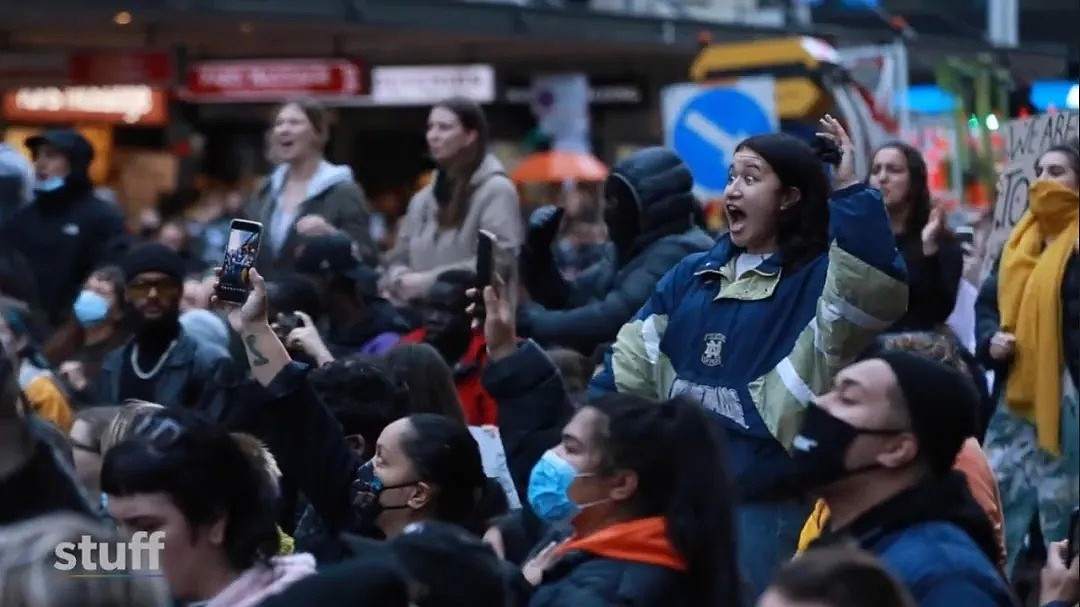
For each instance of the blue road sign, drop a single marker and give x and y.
(710, 126)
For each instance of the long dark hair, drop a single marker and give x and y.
(452, 209)
(918, 196)
(444, 453)
(802, 230)
(682, 477)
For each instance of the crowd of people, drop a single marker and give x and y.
(776, 415)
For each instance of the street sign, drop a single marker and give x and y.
(705, 123)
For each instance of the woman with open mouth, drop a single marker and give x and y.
(306, 196)
(757, 326)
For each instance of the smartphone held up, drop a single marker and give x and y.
(241, 251)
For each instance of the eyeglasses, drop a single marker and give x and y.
(162, 288)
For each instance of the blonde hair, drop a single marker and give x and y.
(29, 578)
(121, 424)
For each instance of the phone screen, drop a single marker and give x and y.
(1074, 536)
(485, 258)
(240, 254)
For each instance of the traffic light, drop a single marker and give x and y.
(1020, 105)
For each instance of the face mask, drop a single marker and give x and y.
(369, 489)
(549, 483)
(820, 447)
(49, 184)
(91, 308)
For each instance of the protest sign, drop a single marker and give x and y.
(1025, 140)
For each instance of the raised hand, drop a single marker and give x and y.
(834, 131)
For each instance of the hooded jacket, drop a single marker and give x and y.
(332, 194)
(262, 581)
(66, 233)
(423, 246)
(652, 229)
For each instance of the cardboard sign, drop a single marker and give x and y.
(1025, 140)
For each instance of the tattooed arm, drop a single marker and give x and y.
(265, 352)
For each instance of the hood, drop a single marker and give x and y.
(326, 176)
(639, 541)
(261, 581)
(79, 153)
(489, 166)
(659, 183)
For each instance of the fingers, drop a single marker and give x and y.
(305, 318)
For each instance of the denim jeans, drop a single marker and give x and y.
(768, 535)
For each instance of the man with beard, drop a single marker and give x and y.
(67, 231)
(448, 328)
(161, 363)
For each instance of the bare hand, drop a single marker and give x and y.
(933, 231)
(500, 325)
(834, 131)
(1060, 582)
(306, 338)
(74, 373)
(254, 310)
(535, 568)
(313, 226)
(1002, 346)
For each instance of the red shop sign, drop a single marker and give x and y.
(273, 79)
(120, 67)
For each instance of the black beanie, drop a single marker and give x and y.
(941, 402)
(153, 258)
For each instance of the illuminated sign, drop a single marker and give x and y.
(134, 105)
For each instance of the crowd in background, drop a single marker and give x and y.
(634, 411)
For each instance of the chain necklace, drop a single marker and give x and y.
(160, 363)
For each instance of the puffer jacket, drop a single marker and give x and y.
(593, 307)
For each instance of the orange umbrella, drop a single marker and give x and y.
(560, 166)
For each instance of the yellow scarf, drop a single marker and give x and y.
(1029, 299)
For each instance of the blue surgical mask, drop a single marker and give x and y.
(91, 308)
(49, 184)
(549, 483)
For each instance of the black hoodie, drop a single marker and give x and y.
(65, 233)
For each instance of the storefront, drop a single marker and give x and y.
(124, 123)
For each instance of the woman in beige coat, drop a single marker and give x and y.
(470, 192)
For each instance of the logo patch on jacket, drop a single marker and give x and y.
(718, 399)
(714, 345)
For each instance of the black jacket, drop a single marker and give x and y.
(65, 235)
(533, 408)
(654, 224)
(196, 375)
(933, 283)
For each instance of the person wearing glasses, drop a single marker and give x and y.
(161, 363)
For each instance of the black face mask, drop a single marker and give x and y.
(368, 501)
(622, 217)
(821, 445)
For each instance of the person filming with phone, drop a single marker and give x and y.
(161, 363)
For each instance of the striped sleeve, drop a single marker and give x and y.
(865, 293)
(634, 364)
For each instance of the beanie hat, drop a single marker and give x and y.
(941, 402)
(153, 258)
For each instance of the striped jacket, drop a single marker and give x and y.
(755, 349)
